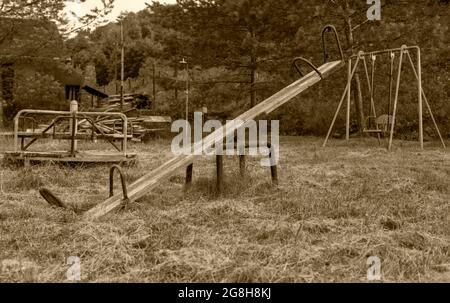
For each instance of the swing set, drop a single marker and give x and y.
(384, 124)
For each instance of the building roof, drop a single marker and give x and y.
(95, 92)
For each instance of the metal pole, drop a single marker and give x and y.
(347, 129)
(154, 83)
(391, 76)
(16, 132)
(187, 91)
(187, 97)
(125, 134)
(427, 103)
(122, 67)
(396, 96)
(419, 82)
(365, 54)
(340, 103)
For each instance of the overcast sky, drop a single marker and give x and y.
(81, 8)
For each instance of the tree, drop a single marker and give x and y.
(36, 91)
(244, 35)
(54, 10)
(27, 31)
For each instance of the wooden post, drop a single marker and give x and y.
(273, 164)
(219, 168)
(73, 127)
(242, 165)
(189, 171)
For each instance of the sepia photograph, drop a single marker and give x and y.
(205, 143)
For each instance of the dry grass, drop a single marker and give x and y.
(333, 209)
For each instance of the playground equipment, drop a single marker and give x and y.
(220, 170)
(66, 126)
(385, 123)
(146, 183)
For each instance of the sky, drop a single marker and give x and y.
(81, 8)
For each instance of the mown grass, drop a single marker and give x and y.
(334, 208)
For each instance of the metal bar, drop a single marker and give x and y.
(122, 179)
(51, 112)
(367, 54)
(427, 103)
(73, 132)
(340, 103)
(372, 92)
(347, 122)
(16, 133)
(125, 134)
(419, 84)
(391, 137)
(307, 62)
(391, 76)
(372, 98)
(370, 85)
(56, 120)
(90, 120)
(325, 30)
(111, 141)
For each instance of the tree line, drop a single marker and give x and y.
(240, 52)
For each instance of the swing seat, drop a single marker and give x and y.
(382, 124)
(371, 129)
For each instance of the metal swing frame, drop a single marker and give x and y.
(403, 51)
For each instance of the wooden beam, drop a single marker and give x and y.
(142, 186)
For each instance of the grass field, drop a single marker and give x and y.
(334, 208)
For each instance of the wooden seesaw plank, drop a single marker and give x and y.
(142, 186)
